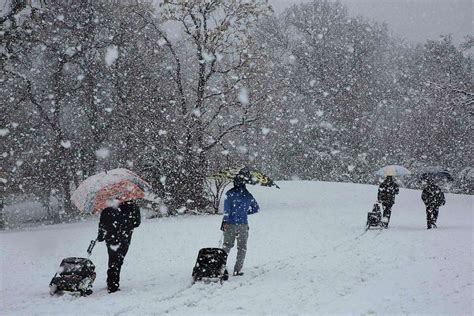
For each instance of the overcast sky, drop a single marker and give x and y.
(415, 20)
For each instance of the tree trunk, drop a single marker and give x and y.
(187, 184)
(2, 214)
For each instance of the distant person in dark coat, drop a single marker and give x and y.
(116, 226)
(433, 198)
(238, 204)
(386, 195)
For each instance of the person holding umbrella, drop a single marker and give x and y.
(386, 195)
(433, 198)
(112, 194)
(388, 189)
(238, 204)
(116, 226)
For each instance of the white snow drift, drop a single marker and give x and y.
(307, 254)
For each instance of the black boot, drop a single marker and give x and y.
(112, 289)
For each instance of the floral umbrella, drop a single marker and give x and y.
(108, 189)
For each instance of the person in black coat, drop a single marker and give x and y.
(115, 228)
(433, 198)
(386, 195)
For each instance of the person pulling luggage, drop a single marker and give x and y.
(433, 198)
(238, 204)
(386, 195)
(116, 226)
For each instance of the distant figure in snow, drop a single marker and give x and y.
(386, 195)
(116, 226)
(433, 198)
(238, 204)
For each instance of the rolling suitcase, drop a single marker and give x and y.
(210, 265)
(374, 218)
(75, 275)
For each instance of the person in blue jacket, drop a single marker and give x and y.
(238, 204)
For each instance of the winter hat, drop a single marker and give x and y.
(242, 177)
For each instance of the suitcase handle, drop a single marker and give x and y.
(91, 246)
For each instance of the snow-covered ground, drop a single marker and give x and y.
(307, 254)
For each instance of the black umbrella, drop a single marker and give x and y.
(435, 174)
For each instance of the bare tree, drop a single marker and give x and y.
(214, 50)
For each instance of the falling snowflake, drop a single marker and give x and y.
(114, 247)
(161, 42)
(102, 153)
(242, 149)
(265, 131)
(66, 143)
(4, 131)
(208, 57)
(111, 55)
(197, 113)
(163, 180)
(163, 209)
(243, 96)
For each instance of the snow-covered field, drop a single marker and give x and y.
(307, 254)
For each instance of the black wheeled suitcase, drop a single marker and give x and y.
(374, 218)
(75, 275)
(210, 265)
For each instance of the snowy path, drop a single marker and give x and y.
(308, 254)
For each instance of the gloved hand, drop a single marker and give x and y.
(100, 237)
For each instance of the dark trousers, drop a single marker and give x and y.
(117, 254)
(431, 215)
(387, 212)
